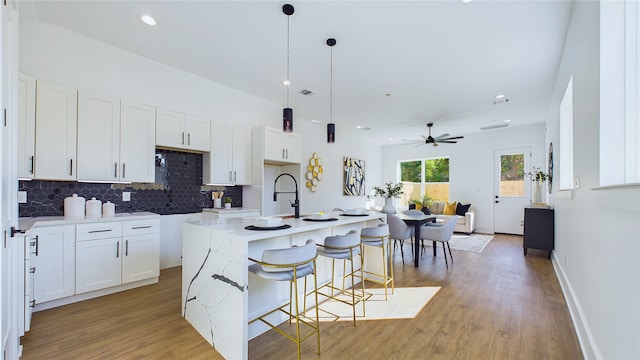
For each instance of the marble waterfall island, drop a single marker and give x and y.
(219, 296)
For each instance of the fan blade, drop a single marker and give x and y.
(441, 136)
(424, 137)
(454, 138)
(447, 141)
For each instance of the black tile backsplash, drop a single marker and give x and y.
(178, 190)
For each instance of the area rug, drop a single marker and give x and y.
(405, 303)
(473, 243)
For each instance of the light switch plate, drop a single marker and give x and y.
(126, 196)
(22, 197)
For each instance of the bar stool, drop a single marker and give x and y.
(379, 237)
(346, 248)
(290, 264)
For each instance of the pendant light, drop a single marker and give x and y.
(331, 127)
(287, 112)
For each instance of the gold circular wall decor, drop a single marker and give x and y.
(314, 172)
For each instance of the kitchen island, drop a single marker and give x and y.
(219, 296)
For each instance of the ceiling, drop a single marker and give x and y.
(397, 65)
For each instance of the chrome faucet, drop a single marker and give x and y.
(296, 204)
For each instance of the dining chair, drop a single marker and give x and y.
(440, 233)
(399, 231)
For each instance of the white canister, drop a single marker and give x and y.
(74, 206)
(94, 208)
(217, 203)
(108, 209)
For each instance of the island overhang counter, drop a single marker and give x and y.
(219, 297)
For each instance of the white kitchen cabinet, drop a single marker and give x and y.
(98, 137)
(25, 283)
(26, 125)
(141, 250)
(56, 125)
(54, 261)
(114, 253)
(177, 130)
(229, 160)
(116, 140)
(226, 214)
(137, 142)
(281, 147)
(98, 256)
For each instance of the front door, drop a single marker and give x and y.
(512, 192)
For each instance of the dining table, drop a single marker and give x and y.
(417, 221)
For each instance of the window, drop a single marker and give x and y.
(425, 177)
(566, 138)
(619, 92)
(512, 175)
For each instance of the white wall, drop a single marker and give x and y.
(597, 243)
(471, 164)
(55, 54)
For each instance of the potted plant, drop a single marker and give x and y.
(227, 202)
(424, 202)
(388, 192)
(538, 177)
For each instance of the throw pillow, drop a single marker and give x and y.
(450, 208)
(462, 209)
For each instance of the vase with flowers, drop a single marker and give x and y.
(538, 177)
(389, 192)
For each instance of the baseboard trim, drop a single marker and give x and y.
(585, 337)
(93, 294)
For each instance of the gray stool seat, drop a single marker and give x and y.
(291, 264)
(379, 236)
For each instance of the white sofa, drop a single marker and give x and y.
(465, 224)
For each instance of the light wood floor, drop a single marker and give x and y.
(495, 305)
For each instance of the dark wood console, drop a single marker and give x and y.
(538, 230)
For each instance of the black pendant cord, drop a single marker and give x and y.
(288, 63)
(331, 127)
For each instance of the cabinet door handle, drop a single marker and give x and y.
(32, 270)
(234, 176)
(71, 169)
(115, 170)
(230, 176)
(32, 303)
(32, 160)
(189, 139)
(283, 153)
(36, 243)
(118, 249)
(124, 170)
(126, 248)
(183, 138)
(141, 227)
(99, 231)
(287, 151)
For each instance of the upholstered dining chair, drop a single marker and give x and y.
(290, 264)
(399, 232)
(440, 233)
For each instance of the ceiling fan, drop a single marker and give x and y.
(444, 138)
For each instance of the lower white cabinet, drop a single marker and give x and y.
(111, 254)
(53, 259)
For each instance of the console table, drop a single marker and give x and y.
(538, 230)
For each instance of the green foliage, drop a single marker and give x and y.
(436, 170)
(425, 201)
(390, 190)
(512, 167)
(227, 200)
(411, 171)
(537, 174)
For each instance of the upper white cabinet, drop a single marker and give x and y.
(26, 125)
(137, 142)
(53, 258)
(281, 147)
(181, 131)
(56, 124)
(98, 137)
(229, 160)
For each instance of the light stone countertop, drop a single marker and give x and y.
(40, 221)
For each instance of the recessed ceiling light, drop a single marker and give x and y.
(286, 83)
(507, 121)
(359, 127)
(316, 121)
(500, 96)
(147, 19)
(467, 1)
(390, 139)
